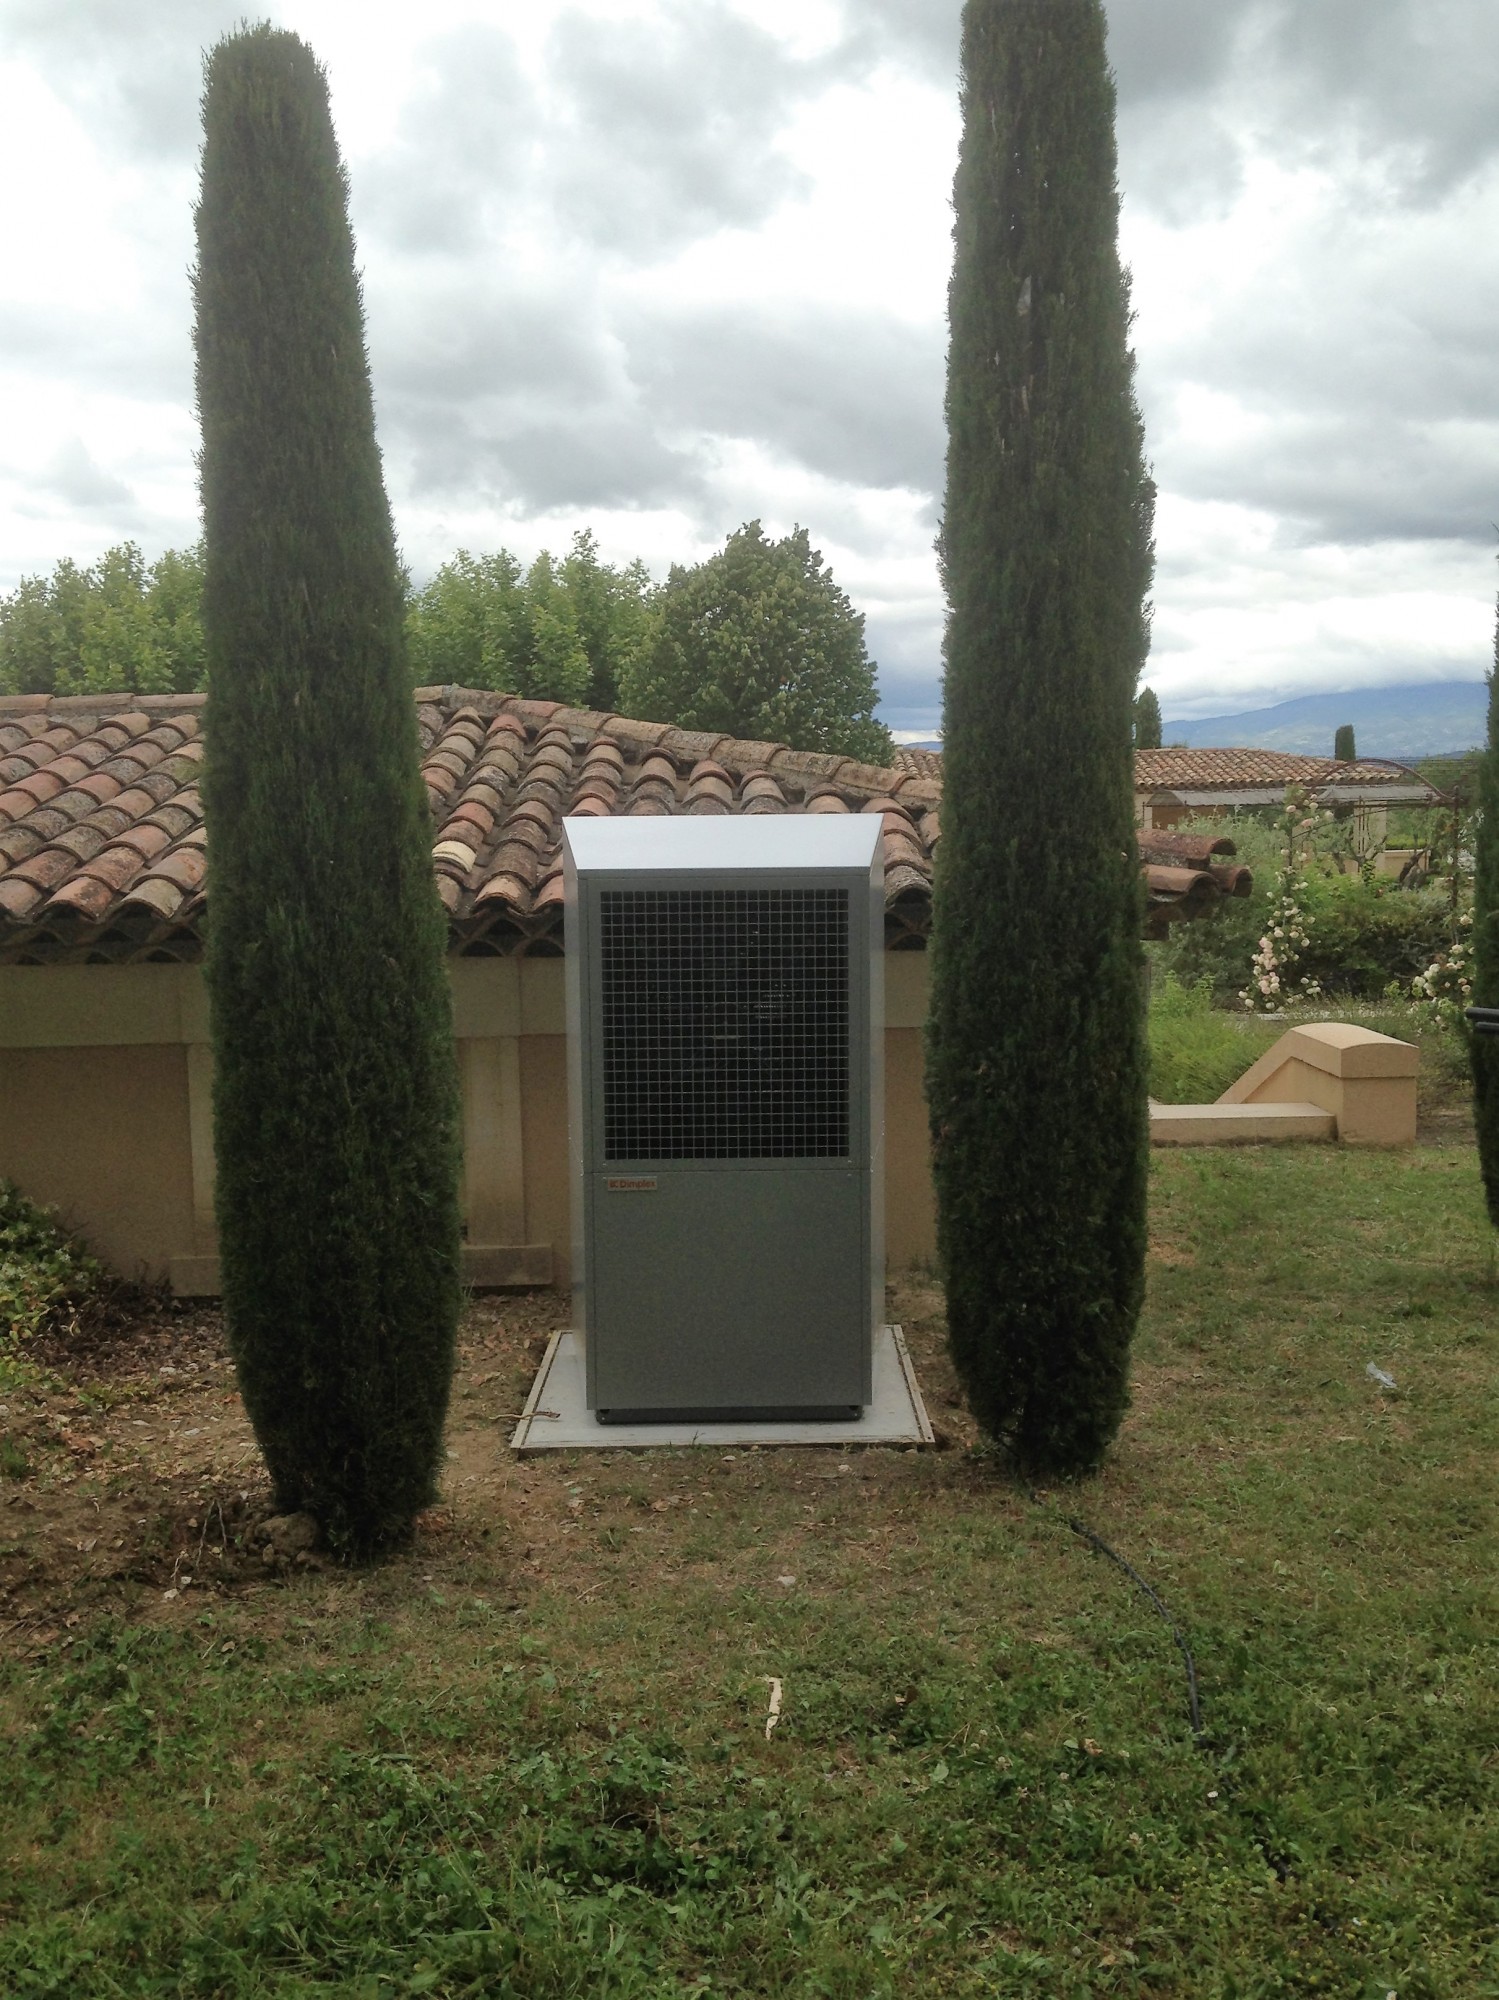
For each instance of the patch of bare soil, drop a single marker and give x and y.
(133, 1487)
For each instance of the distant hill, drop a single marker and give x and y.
(1428, 719)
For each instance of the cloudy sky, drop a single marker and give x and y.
(658, 266)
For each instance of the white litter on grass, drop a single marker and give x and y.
(773, 1715)
(1378, 1375)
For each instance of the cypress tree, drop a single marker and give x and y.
(1147, 720)
(1036, 1073)
(1484, 1049)
(335, 1102)
(1342, 744)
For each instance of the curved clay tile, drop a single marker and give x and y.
(536, 712)
(507, 888)
(472, 813)
(147, 840)
(158, 896)
(625, 729)
(657, 769)
(16, 842)
(520, 858)
(905, 884)
(809, 765)
(531, 817)
(743, 754)
(18, 899)
(691, 746)
(46, 870)
(116, 867)
(101, 786)
(36, 790)
(826, 802)
(86, 895)
(184, 868)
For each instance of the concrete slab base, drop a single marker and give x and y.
(1238, 1124)
(556, 1416)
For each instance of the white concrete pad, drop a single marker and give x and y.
(556, 1416)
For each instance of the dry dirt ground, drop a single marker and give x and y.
(132, 1486)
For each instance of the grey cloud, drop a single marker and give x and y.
(854, 397)
(536, 461)
(135, 70)
(461, 152)
(1417, 79)
(74, 476)
(669, 131)
(916, 34)
(456, 340)
(144, 357)
(1355, 480)
(1172, 48)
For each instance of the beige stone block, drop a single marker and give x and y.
(1366, 1080)
(1238, 1124)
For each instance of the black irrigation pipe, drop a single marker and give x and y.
(1097, 1541)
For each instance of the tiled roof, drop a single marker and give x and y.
(1206, 770)
(1230, 770)
(102, 851)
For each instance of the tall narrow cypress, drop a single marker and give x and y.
(1484, 1049)
(1344, 749)
(1147, 720)
(335, 1101)
(1036, 1074)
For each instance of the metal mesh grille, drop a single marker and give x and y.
(725, 1029)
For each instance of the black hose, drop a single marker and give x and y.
(1081, 1528)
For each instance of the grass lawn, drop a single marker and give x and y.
(529, 1758)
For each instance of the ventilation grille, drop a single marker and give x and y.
(725, 1029)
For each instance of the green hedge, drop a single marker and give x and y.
(1365, 935)
(44, 1273)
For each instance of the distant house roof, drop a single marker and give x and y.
(1260, 777)
(1208, 775)
(102, 846)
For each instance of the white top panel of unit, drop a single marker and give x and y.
(717, 842)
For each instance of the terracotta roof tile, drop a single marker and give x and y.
(102, 848)
(1229, 770)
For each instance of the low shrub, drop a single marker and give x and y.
(1197, 1049)
(1363, 935)
(45, 1274)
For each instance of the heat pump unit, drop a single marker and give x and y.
(725, 1080)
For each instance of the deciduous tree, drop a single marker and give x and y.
(1036, 1075)
(759, 641)
(335, 1099)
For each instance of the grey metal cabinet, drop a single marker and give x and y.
(725, 1055)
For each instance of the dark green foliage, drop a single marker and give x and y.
(1485, 1048)
(1342, 744)
(560, 631)
(1147, 720)
(759, 642)
(1036, 1065)
(118, 627)
(335, 1097)
(44, 1272)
